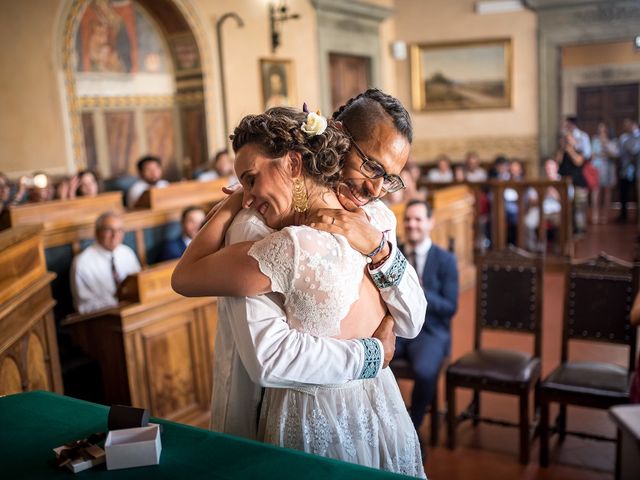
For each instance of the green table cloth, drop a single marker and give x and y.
(33, 423)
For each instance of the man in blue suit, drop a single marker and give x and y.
(192, 219)
(438, 273)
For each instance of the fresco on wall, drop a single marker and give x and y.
(114, 36)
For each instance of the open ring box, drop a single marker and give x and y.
(131, 442)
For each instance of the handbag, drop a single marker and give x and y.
(590, 175)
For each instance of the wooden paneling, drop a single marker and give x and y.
(350, 76)
(28, 348)
(155, 349)
(608, 103)
(173, 196)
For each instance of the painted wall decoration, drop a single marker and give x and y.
(115, 36)
(461, 75)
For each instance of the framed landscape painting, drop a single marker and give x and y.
(461, 75)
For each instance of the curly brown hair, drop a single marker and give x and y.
(278, 131)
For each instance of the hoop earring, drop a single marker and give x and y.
(300, 199)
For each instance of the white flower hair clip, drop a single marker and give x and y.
(315, 124)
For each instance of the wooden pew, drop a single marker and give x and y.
(557, 253)
(173, 196)
(28, 347)
(453, 210)
(155, 348)
(68, 226)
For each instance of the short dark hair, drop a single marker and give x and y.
(219, 154)
(426, 204)
(146, 159)
(361, 113)
(572, 119)
(188, 210)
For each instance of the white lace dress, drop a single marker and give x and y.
(362, 421)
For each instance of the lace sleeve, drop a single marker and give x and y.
(276, 258)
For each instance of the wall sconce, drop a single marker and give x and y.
(279, 13)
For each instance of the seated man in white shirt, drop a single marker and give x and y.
(221, 166)
(150, 172)
(101, 267)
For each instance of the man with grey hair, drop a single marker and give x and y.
(101, 267)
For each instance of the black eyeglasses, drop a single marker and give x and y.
(372, 169)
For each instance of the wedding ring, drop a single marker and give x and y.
(333, 220)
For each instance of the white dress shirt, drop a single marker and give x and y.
(256, 346)
(437, 176)
(137, 189)
(420, 253)
(92, 283)
(477, 175)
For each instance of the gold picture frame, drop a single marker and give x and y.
(461, 75)
(277, 81)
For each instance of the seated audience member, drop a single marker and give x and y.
(500, 169)
(551, 207)
(221, 166)
(442, 173)
(459, 172)
(150, 173)
(5, 192)
(516, 171)
(88, 184)
(438, 274)
(97, 272)
(474, 172)
(65, 187)
(192, 219)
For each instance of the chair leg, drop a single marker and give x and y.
(544, 434)
(475, 409)
(435, 418)
(451, 416)
(561, 422)
(525, 439)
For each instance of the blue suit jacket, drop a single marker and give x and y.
(440, 285)
(173, 249)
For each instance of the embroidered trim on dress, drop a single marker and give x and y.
(372, 358)
(395, 273)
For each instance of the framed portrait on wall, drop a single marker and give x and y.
(461, 75)
(276, 78)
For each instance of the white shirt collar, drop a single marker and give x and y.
(422, 249)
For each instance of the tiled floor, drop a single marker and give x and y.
(490, 452)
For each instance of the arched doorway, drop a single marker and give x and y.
(134, 80)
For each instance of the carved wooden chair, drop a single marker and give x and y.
(509, 288)
(599, 293)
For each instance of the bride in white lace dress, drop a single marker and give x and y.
(289, 167)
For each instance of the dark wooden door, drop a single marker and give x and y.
(608, 103)
(350, 75)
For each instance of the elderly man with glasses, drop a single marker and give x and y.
(254, 344)
(97, 272)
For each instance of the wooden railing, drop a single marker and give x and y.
(491, 229)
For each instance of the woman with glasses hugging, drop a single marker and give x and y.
(291, 165)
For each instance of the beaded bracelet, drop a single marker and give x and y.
(383, 242)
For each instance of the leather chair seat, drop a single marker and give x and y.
(497, 365)
(595, 378)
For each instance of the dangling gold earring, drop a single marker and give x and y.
(300, 199)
